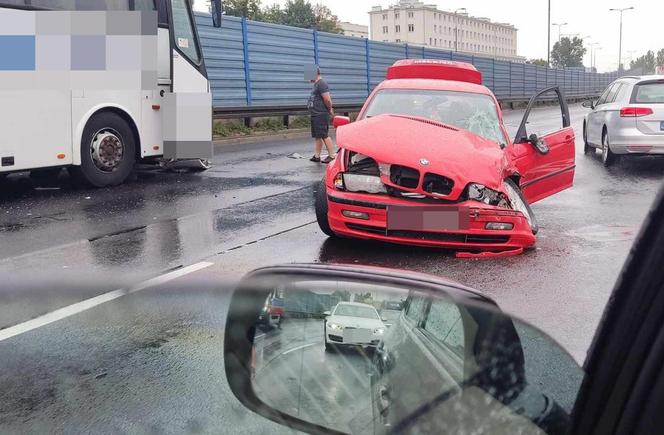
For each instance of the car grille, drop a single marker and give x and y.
(434, 183)
(426, 235)
(404, 176)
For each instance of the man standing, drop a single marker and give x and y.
(320, 110)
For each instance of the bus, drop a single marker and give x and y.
(98, 86)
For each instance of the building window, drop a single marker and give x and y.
(398, 41)
(385, 29)
(384, 16)
(410, 15)
(411, 27)
(430, 41)
(397, 28)
(435, 28)
(435, 42)
(396, 15)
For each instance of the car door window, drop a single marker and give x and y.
(416, 306)
(603, 97)
(613, 94)
(444, 324)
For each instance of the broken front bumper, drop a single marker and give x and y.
(365, 216)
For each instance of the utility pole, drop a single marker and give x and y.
(592, 48)
(621, 10)
(548, 40)
(456, 28)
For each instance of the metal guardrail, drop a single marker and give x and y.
(256, 69)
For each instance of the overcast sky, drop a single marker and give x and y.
(642, 27)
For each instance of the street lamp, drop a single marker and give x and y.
(621, 10)
(592, 47)
(456, 28)
(559, 27)
(595, 58)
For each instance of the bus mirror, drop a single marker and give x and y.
(216, 12)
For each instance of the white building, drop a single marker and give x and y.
(414, 22)
(357, 30)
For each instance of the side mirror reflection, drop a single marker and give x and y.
(340, 121)
(447, 358)
(589, 104)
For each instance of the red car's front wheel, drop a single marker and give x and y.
(320, 196)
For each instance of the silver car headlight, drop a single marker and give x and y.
(379, 331)
(335, 326)
(481, 193)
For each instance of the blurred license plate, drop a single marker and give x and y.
(356, 336)
(661, 125)
(428, 218)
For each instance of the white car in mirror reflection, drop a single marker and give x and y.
(353, 323)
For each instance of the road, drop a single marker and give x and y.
(152, 361)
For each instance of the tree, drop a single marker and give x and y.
(660, 57)
(325, 20)
(244, 8)
(300, 13)
(644, 64)
(343, 295)
(568, 53)
(538, 62)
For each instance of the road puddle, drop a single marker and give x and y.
(605, 233)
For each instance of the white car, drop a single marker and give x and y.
(353, 323)
(627, 119)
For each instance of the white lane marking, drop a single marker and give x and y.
(79, 307)
(298, 348)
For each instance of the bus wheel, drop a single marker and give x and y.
(108, 151)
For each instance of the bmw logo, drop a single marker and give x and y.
(424, 162)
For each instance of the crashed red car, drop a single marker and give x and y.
(429, 162)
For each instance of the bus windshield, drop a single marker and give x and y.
(183, 29)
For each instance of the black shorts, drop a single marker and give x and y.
(320, 126)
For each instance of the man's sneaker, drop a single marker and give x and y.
(315, 159)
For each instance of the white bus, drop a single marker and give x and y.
(99, 85)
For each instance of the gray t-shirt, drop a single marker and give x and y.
(316, 105)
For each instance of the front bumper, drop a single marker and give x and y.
(475, 238)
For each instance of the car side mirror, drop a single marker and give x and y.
(589, 104)
(539, 145)
(216, 10)
(383, 319)
(354, 375)
(340, 121)
(326, 313)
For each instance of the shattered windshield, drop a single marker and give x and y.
(473, 112)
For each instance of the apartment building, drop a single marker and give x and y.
(414, 22)
(356, 30)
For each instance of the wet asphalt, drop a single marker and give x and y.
(152, 362)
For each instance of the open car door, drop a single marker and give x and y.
(544, 159)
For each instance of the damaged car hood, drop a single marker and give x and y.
(427, 146)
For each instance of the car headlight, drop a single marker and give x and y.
(379, 331)
(481, 193)
(335, 326)
(363, 183)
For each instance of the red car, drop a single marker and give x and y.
(429, 162)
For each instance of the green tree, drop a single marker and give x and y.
(244, 8)
(568, 53)
(644, 64)
(343, 295)
(660, 57)
(325, 20)
(300, 13)
(538, 62)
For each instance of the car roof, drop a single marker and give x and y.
(357, 304)
(435, 85)
(642, 78)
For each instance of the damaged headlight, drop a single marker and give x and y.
(481, 193)
(363, 183)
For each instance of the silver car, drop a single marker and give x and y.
(627, 119)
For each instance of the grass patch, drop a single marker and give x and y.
(234, 128)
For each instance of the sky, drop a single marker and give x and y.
(643, 27)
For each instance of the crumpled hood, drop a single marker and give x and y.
(454, 153)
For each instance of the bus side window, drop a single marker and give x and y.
(162, 11)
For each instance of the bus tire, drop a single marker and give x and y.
(108, 151)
